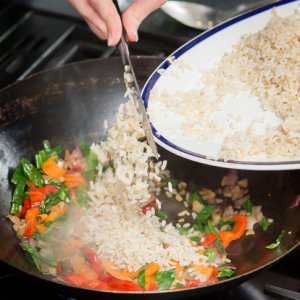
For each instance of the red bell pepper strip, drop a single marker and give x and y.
(30, 217)
(237, 231)
(26, 206)
(38, 194)
(98, 285)
(194, 283)
(239, 227)
(76, 279)
(209, 239)
(92, 257)
(153, 286)
(123, 285)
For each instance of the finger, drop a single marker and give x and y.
(91, 17)
(135, 13)
(102, 35)
(108, 13)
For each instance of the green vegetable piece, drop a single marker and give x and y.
(141, 278)
(50, 227)
(161, 214)
(48, 152)
(165, 279)
(43, 207)
(83, 198)
(32, 173)
(40, 158)
(162, 228)
(248, 206)
(63, 193)
(91, 163)
(192, 187)
(205, 214)
(209, 228)
(85, 148)
(223, 223)
(18, 175)
(195, 197)
(277, 241)
(198, 227)
(210, 253)
(47, 146)
(51, 200)
(196, 238)
(165, 180)
(264, 224)
(17, 199)
(183, 230)
(179, 285)
(226, 272)
(33, 253)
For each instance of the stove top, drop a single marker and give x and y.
(32, 40)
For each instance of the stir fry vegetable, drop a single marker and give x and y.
(48, 192)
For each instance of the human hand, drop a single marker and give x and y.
(104, 20)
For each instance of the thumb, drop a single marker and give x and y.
(135, 13)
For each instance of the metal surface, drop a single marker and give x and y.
(201, 16)
(132, 86)
(68, 105)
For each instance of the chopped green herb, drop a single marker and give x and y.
(162, 228)
(248, 206)
(183, 230)
(165, 279)
(141, 278)
(277, 241)
(264, 224)
(195, 197)
(223, 223)
(165, 180)
(161, 214)
(205, 214)
(179, 285)
(196, 238)
(198, 227)
(226, 272)
(210, 253)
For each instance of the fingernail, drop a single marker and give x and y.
(136, 38)
(110, 40)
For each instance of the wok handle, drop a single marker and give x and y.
(281, 293)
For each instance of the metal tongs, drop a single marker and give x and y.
(133, 87)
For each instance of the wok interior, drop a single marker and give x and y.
(69, 105)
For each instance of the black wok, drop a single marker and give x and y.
(68, 105)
